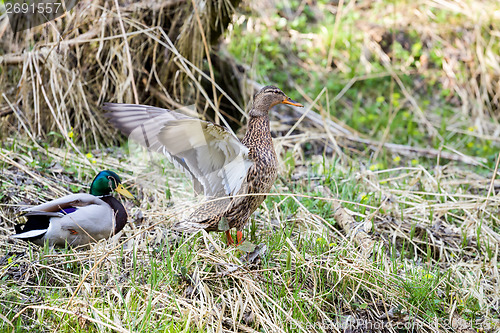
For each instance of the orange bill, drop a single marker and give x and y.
(290, 101)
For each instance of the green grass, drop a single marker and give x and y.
(433, 226)
(290, 47)
(310, 276)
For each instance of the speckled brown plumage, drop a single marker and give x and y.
(259, 180)
(233, 174)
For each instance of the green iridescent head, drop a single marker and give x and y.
(107, 181)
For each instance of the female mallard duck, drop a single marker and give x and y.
(234, 174)
(77, 219)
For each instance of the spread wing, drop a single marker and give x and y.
(215, 160)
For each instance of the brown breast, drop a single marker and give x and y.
(261, 176)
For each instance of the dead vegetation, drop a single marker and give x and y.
(136, 52)
(423, 234)
(342, 245)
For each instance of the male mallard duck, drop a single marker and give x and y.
(233, 174)
(77, 219)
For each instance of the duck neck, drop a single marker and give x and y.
(258, 131)
(119, 212)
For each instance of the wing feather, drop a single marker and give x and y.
(72, 200)
(215, 160)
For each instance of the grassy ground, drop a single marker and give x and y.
(360, 238)
(433, 267)
(421, 73)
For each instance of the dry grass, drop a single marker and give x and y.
(137, 52)
(342, 243)
(432, 261)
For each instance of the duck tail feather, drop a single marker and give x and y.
(31, 234)
(36, 226)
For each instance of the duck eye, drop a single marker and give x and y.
(112, 182)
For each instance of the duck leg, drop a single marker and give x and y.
(239, 237)
(229, 238)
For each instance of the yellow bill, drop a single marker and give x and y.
(123, 191)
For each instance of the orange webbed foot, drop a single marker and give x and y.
(229, 238)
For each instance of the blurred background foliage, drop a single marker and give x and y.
(421, 73)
